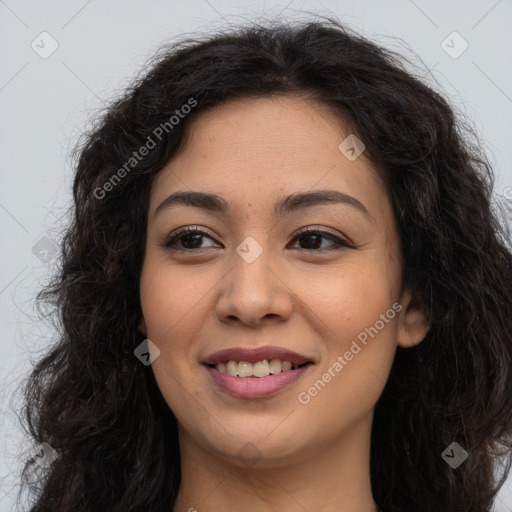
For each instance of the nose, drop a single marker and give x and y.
(254, 293)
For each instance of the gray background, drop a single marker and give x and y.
(45, 103)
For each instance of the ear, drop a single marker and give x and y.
(412, 323)
(142, 326)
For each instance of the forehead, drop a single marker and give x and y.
(257, 150)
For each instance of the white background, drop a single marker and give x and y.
(46, 103)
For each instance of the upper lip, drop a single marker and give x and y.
(255, 354)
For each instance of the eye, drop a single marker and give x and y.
(313, 237)
(190, 238)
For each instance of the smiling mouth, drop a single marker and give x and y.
(264, 368)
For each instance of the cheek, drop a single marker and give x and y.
(351, 297)
(171, 306)
(171, 300)
(358, 356)
(355, 309)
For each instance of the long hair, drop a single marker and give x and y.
(101, 410)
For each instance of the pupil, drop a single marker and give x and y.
(309, 237)
(195, 244)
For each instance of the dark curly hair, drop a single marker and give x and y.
(101, 409)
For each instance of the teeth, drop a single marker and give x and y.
(275, 366)
(260, 369)
(244, 369)
(231, 368)
(286, 366)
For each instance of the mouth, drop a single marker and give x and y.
(256, 372)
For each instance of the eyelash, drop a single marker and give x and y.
(339, 243)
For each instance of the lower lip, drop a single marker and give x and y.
(255, 387)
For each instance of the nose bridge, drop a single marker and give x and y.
(254, 289)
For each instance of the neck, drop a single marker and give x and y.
(332, 476)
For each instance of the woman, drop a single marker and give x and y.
(284, 288)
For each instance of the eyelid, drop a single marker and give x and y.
(185, 229)
(324, 229)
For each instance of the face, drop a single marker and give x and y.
(318, 278)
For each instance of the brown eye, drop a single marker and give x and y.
(190, 239)
(311, 239)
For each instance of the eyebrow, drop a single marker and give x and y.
(288, 204)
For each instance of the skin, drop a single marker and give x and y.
(312, 456)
